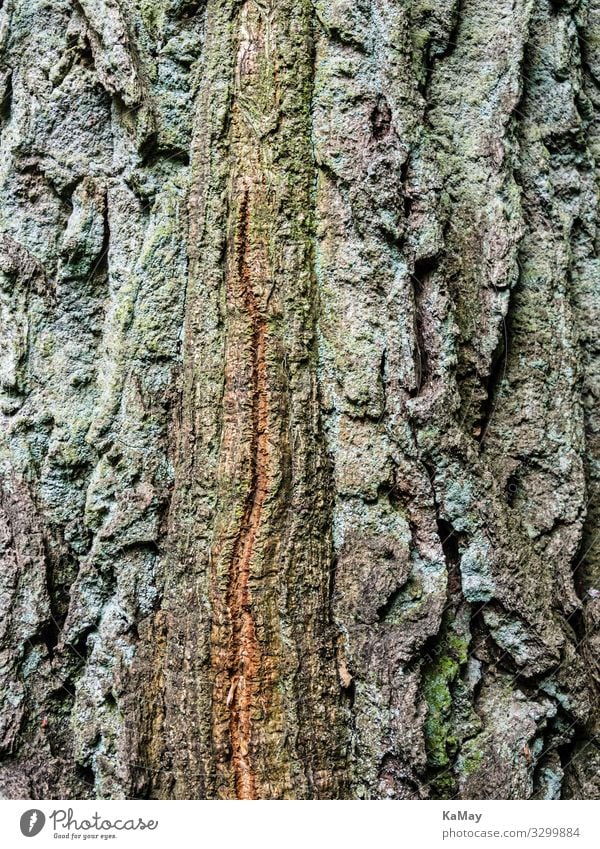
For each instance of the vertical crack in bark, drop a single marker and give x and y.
(245, 651)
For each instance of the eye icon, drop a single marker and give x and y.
(32, 822)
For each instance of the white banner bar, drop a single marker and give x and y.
(317, 825)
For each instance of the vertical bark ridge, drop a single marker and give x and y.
(269, 419)
(241, 679)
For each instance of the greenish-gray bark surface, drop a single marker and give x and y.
(299, 379)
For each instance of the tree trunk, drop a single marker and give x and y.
(299, 464)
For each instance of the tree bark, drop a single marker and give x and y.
(299, 374)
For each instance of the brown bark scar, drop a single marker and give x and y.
(245, 650)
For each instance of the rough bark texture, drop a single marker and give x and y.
(299, 378)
